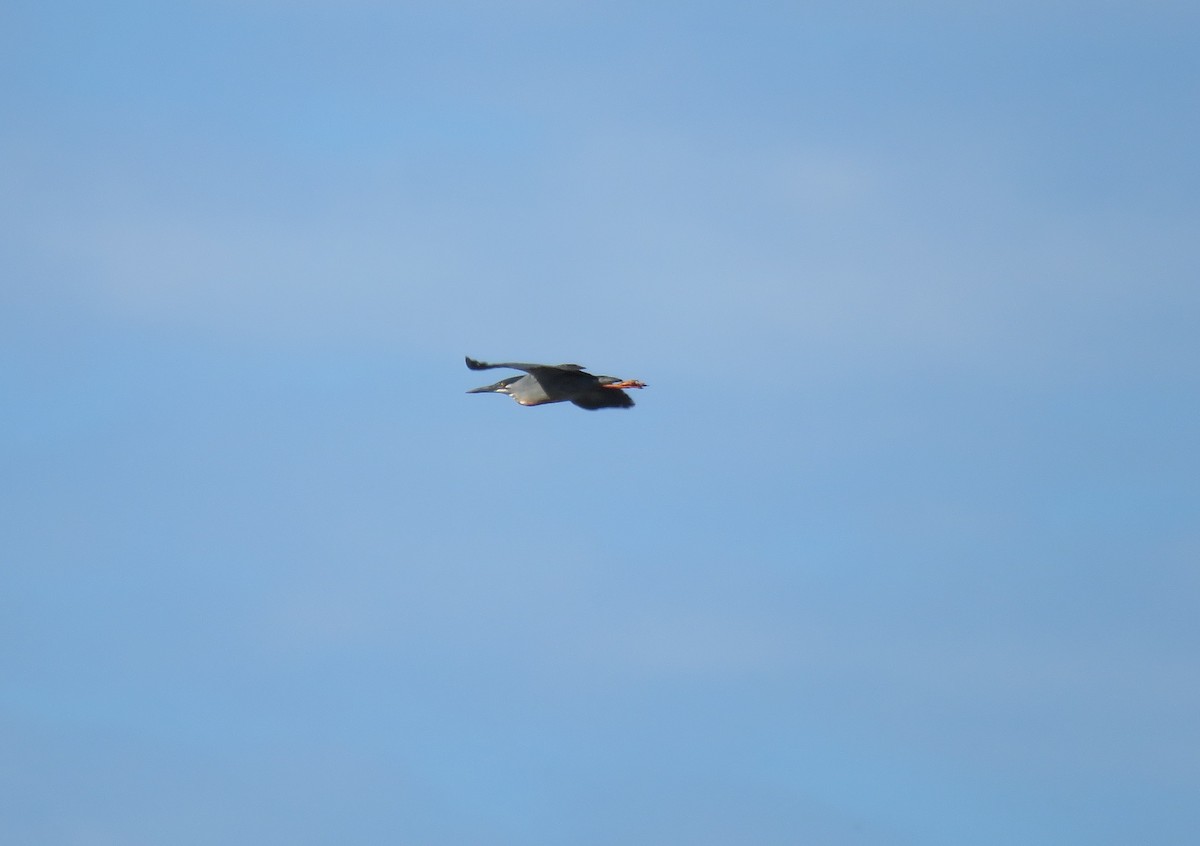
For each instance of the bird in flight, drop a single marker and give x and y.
(546, 383)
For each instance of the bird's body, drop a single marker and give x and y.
(547, 383)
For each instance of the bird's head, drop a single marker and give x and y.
(500, 387)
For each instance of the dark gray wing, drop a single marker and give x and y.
(517, 365)
(603, 398)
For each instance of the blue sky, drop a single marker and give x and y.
(899, 547)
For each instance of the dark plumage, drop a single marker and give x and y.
(546, 383)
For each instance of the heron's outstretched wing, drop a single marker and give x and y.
(603, 398)
(516, 365)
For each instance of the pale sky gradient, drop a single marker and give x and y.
(901, 546)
